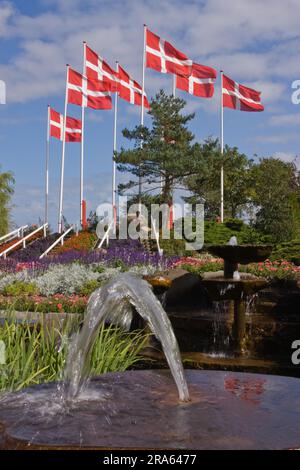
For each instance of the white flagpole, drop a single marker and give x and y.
(174, 86)
(114, 150)
(143, 107)
(63, 157)
(82, 139)
(222, 150)
(47, 164)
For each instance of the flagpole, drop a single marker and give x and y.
(222, 150)
(114, 150)
(174, 86)
(63, 157)
(47, 164)
(82, 140)
(143, 106)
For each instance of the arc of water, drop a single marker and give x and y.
(113, 303)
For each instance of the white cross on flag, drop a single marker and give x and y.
(240, 97)
(73, 127)
(200, 83)
(87, 93)
(98, 69)
(163, 57)
(130, 90)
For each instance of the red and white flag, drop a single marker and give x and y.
(130, 90)
(240, 97)
(97, 69)
(87, 93)
(73, 127)
(163, 57)
(200, 83)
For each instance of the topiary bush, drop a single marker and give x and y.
(234, 224)
(219, 234)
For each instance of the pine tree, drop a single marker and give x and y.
(163, 155)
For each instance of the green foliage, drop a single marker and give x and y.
(37, 353)
(19, 288)
(289, 251)
(275, 184)
(6, 192)
(205, 182)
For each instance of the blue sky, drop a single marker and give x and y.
(256, 42)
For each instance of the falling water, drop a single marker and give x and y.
(113, 303)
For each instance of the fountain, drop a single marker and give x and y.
(141, 409)
(235, 286)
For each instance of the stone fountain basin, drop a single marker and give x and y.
(140, 410)
(243, 254)
(220, 288)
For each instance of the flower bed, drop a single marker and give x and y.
(280, 270)
(37, 303)
(84, 241)
(206, 263)
(271, 270)
(35, 249)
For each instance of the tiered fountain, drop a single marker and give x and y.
(235, 286)
(141, 409)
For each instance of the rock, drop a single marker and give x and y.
(186, 291)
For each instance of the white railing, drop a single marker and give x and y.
(156, 234)
(18, 232)
(59, 240)
(24, 240)
(106, 236)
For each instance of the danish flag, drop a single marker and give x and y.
(130, 90)
(200, 82)
(240, 97)
(163, 57)
(87, 93)
(73, 127)
(97, 69)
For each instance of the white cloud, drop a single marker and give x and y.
(285, 120)
(201, 29)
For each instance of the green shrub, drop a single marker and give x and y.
(234, 224)
(20, 288)
(173, 247)
(89, 287)
(119, 263)
(290, 251)
(204, 268)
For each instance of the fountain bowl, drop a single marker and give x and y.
(221, 288)
(140, 410)
(243, 254)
